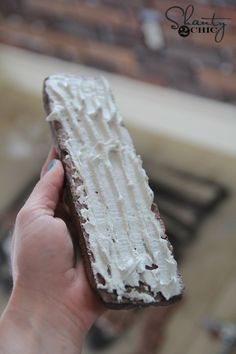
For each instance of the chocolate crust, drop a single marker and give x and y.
(110, 300)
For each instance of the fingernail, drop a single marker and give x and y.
(51, 164)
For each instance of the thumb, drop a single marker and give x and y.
(45, 195)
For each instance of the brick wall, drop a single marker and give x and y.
(132, 37)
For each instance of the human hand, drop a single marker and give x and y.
(51, 296)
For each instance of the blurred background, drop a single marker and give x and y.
(177, 95)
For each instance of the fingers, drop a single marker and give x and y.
(89, 301)
(13, 241)
(56, 181)
(51, 155)
(45, 196)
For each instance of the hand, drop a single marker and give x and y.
(51, 298)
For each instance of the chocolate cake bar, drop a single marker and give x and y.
(127, 256)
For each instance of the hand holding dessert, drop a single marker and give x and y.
(52, 305)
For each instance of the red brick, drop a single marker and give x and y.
(195, 54)
(123, 59)
(122, 4)
(200, 10)
(229, 12)
(217, 80)
(92, 15)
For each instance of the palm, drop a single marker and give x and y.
(43, 259)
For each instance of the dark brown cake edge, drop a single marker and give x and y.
(109, 299)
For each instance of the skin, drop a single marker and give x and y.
(52, 306)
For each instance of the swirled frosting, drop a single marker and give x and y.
(125, 237)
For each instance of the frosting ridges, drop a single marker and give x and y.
(125, 237)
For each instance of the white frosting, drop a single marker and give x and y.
(124, 234)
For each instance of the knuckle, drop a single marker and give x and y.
(61, 225)
(24, 215)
